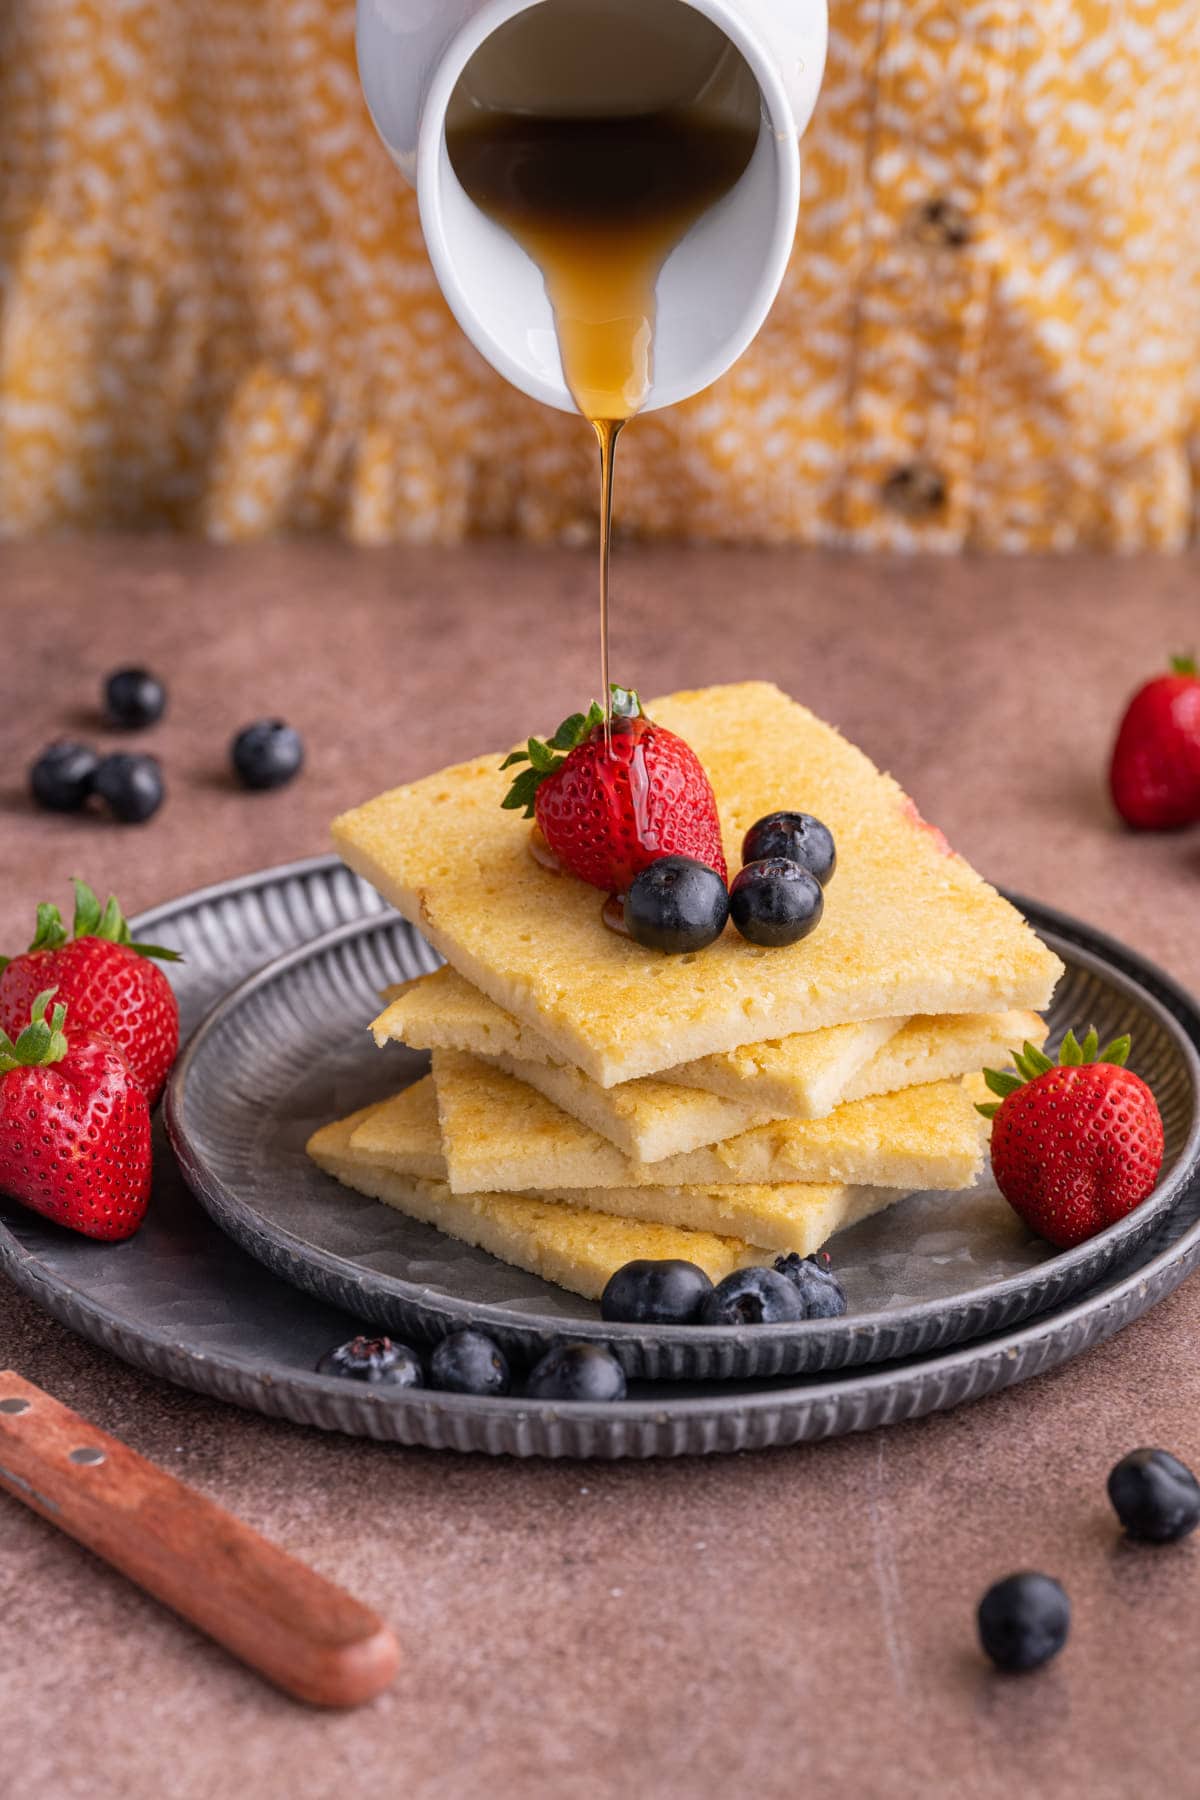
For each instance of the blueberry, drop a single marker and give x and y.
(775, 902)
(753, 1297)
(1024, 1621)
(134, 698)
(1155, 1496)
(131, 787)
(469, 1362)
(798, 838)
(676, 904)
(61, 778)
(823, 1295)
(656, 1293)
(576, 1372)
(375, 1360)
(267, 754)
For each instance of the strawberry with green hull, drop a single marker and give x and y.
(110, 986)
(74, 1128)
(611, 801)
(1077, 1144)
(1155, 771)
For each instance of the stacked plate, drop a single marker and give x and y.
(238, 1291)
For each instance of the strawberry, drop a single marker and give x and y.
(1155, 772)
(109, 986)
(1075, 1145)
(611, 801)
(74, 1128)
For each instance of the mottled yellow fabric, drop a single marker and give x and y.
(215, 308)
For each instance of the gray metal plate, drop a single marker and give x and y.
(182, 1301)
(290, 1049)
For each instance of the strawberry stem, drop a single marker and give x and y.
(1184, 665)
(91, 920)
(42, 1042)
(1032, 1062)
(51, 933)
(545, 759)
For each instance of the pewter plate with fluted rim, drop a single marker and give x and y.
(290, 1049)
(182, 1302)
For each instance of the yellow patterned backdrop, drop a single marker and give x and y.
(216, 312)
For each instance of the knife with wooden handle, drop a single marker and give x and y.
(310, 1638)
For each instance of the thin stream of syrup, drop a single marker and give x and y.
(608, 431)
(599, 204)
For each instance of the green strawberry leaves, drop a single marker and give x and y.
(42, 1042)
(91, 920)
(545, 759)
(51, 933)
(1032, 1062)
(1075, 1055)
(523, 792)
(1184, 665)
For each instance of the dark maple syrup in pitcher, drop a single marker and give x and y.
(599, 204)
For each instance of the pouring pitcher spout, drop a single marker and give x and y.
(436, 73)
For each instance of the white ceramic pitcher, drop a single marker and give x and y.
(604, 58)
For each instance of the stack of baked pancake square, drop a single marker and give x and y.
(591, 1102)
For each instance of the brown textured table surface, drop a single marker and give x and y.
(774, 1624)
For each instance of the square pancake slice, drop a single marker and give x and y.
(943, 1048)
(647, 1120)
(500, 1135)
(444, 1011)
(908, 926)
(788, 1216)
(575, 1248)
(808, 1074)
(801, 1076)
(650, 1119)
(401, 1135)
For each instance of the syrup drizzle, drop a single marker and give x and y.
(608, 431)
(599, 204)
(639, 795)
(613, 914)
(541, 852)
